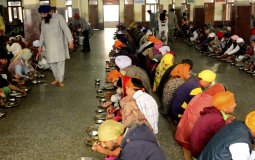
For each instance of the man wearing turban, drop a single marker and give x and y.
(137, 142)
(57, 38)
(234, 141)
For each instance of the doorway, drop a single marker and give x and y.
(111, 16)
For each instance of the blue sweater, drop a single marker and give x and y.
(139, 143)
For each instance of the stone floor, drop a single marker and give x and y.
(50, 122)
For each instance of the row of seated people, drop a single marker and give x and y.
(16, 66)
(219, 43)
(206, 128)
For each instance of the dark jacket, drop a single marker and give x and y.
(202, 132)
(139, 143)
(183, 94)
(218, 146)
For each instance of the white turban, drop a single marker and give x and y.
(123, 61)
(211, 35)
(148, 33)
(36, 43)
(239, 40)
(164, 50)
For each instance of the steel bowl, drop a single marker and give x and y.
(12, 99)
(100, 110)
(99, 121)
(87, 158)
(97, 84)
(102, 100)
(99, 91)
(11, 104)
(93, 133)
(97, 80)
(90, 142)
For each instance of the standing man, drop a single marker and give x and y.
(57, 38)
(84, 29)
(172, 23)
(153, 21)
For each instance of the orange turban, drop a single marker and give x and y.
(113, 75)
(223, 100)
(181, 70)
(152, 39)
(129, 84)
(250, 121)
(217, 88)
(118, 44)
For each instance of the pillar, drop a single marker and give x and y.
(61, 7)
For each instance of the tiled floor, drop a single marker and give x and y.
(50, 123)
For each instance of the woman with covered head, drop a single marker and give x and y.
(234, 141)
(190, 116)
(179, 75)
(20, 66)
(164, 64)
(187, 91)
(211, 120)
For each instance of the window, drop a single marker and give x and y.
(153, 8)
(15, 10)
(44, 2)
(129, 1)
(92, 2)
(228, 11)
(69, 10)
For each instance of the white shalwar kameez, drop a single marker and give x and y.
(55, 36)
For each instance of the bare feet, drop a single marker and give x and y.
(61, 84)
(55, 82)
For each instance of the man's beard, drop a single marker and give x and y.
(47, 18)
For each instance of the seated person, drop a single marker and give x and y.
(233, 141)
(142, 143)
(178, 76)
(247, 56)
(5, 85)
(166, 62)
(13, 47)
(187, 91)
(223, 104)
(20, 66)
(232, 49)
(124, 63)
(190, 116)
(145, 102)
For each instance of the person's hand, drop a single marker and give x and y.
(39, 52)
(98, 148)
(109, 116)
(70, 45)
(106, 104)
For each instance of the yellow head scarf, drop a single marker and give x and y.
(165, 63)
(207, 75)
(110, 130)
(250, 121)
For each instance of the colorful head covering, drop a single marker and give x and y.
(217, 88)
(223, 100)
(152, 39)
(158, 44)
(25, 54)
(181, 70)
(129, 84)
(234, 37)
(118, 44)
(36, 43)
(123, 61)
(110, 130)
(164, 50)
(113, 75)
(250, 121)
(220, 35)
(207, 75)
(44, 9)
(166, 62)
(239, 40)
(211, 35)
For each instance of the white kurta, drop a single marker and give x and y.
(55, 37)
